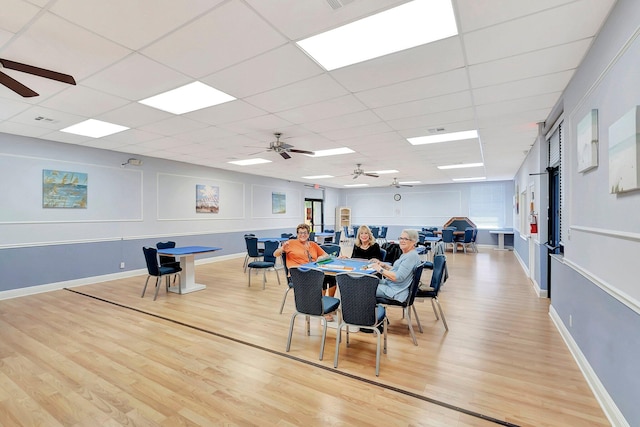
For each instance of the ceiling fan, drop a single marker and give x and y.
(396, 183)
(21, 89)
(358, 171)
(284, 149)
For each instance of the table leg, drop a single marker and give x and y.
(187, 276)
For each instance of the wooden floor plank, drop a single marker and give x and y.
(101, 355)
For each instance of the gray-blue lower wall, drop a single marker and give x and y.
(605, 330)
(24, 267)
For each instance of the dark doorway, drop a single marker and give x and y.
(314, 214)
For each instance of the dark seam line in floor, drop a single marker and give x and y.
(307, 362)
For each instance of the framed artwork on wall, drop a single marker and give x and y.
(278, 203)
(624, 150)
(587, 141)
(62, 189)
(207, 199)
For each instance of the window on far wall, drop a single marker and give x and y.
(487, 204)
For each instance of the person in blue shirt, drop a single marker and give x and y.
(396, 280)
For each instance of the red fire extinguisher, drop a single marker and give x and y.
(534, 223)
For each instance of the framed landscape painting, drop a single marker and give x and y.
(624, 153)
(207, 199)
(62, 189)
(587, 140)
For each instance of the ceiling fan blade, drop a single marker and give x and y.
(293, 150)
(16, 86)
(285, 155)
(356, 175)
(36, 71)
(372, 175)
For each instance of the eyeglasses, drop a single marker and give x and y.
(406, 239)
(303, 232)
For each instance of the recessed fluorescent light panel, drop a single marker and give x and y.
(477, 178)
(332, 152)
(461, 166)
(94, 128)
(191, 97)
(356, 185)
(249, 162)
(443, 137)
(409, 25)
(318, 176)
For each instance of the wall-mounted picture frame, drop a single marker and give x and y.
(278, 203)
(207, 199)
(63, 189)
(624, 149)
(587, 141)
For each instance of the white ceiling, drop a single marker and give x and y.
(502, 74)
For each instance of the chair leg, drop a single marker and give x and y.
(157, 287)
(377, 352)
(444, 320)
(413, 335)
(291, 323)
(145, 287)
(323, 321)
(338, 333)
(433, 305)
(284, 299)
(417, 318)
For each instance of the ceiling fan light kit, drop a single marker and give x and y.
(284, 149)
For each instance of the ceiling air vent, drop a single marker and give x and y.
(337, 4)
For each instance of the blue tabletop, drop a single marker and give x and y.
(277, 239)
(342, 265)
(187, 250)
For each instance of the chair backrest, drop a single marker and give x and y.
(383, 254)
(284, 264)
(415, 284)
(383, 232)
(337, 236)
(438, 249)
(475, 235)
(151, 257)
(270, 247)
(421, 236)
(375, 231)
(447, 235)
(252, 246)
(393, 252)
(286, 235)
(312, 236)
(329, 230)
(439, 263)
(331, 248)
(358, 298)
(468, 235)
(164, 259)
(307, 290)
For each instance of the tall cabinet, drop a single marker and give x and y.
(343, 217)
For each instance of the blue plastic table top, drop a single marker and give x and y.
(188, 250)
(342, 265)
(277, 239)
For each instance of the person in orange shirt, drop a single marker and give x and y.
(301, 251)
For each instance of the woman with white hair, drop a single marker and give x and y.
(396, 280)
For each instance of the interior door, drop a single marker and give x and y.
(314, 214)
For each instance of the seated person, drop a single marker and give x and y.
(396, 280)
(301, 251)
(365, 246)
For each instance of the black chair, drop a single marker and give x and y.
(348, 236)
(329, 239)
(167, 260)
(383, 254)
(447, 238)
(382, 237)
(337, 237)
(408, 304)
(307, 290)
(467, 240)
(268, 262)
(286, 235)
(473, 240)
(331, 249)
(360, 309)
(158, 271)
(252, 249)
(439, 266)
(289, 284)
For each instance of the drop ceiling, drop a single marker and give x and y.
(501, 75)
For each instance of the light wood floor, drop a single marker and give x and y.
(100, 355)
